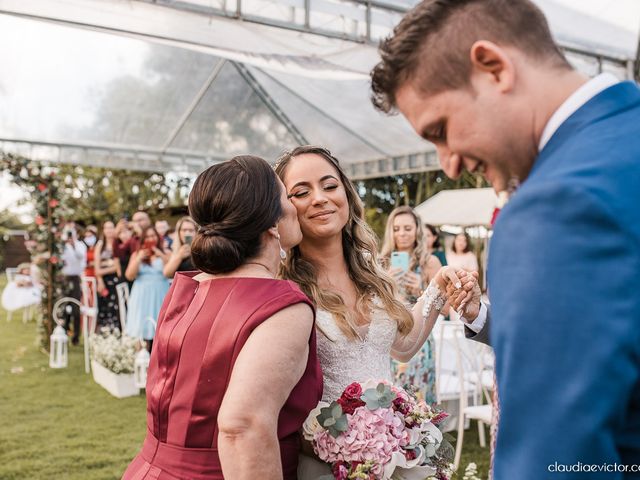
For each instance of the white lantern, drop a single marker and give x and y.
(140, 367)
(58, 348)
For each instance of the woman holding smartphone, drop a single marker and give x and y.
(413, 267)
(180, 259)
(149, 286)
(404, 253)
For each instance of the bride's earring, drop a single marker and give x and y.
(283, 254)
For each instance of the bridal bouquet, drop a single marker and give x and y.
(376, 431)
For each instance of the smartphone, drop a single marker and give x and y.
(400, 260)
(188, 239)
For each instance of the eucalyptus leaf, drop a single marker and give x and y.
(332, 418)
(380, 397)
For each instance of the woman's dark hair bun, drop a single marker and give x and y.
(233, 203)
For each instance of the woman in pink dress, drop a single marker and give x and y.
(233, 372)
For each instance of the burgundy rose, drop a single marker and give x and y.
(349, 405)
(340, 471)
(439, 418)
(352, 392)
(410, 454)
(401, 406)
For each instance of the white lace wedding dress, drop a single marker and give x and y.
(344, 361)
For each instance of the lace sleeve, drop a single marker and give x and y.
(425, 313)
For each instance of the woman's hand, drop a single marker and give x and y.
(184, 251)
(396, 273)
(466, 300)
(411, 282)
(448, 275)
(142, 255)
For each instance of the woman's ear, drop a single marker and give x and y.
(274, 231)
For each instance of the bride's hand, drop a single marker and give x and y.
(465, 300)
(448, 276)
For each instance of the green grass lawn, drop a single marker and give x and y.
(60, 424)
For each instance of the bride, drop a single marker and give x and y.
(361, 323)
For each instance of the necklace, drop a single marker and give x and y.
(263, 266)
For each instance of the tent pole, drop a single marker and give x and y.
(193, 105)
(270, 103)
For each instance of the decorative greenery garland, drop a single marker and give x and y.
(41, 182)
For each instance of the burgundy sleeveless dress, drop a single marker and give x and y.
(202, 328)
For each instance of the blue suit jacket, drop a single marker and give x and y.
(564, 280)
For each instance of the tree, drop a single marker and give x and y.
(98, 194)
(381, 195)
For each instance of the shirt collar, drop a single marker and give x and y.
(577, 99)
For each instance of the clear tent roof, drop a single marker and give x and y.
(175, 85)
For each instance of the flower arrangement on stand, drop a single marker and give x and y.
(376, 431)
(112, 362)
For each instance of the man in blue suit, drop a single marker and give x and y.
(484, 81)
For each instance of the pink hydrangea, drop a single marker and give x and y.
(372, 435)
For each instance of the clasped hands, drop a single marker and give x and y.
(461, 290)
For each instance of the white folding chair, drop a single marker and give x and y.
(122, 290)
(457, 371)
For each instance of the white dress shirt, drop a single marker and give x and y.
(576, 100)
(74, 258)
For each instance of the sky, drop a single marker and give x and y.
(622, 13)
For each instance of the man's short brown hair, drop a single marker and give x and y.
(432, 43)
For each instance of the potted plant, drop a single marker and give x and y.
(112, 362)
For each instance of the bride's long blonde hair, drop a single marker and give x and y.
(361, 254)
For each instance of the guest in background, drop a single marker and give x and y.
(432, 243)
(180, 259)
(149, 287)
(74, 261)
(122, 243)
(404, 234)
(23, 291)
(90, 238)
(461, 256)
(139, 223)
(162, 227)
(108, 274)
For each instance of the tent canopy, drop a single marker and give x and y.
(468, 207)
(174, 85)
